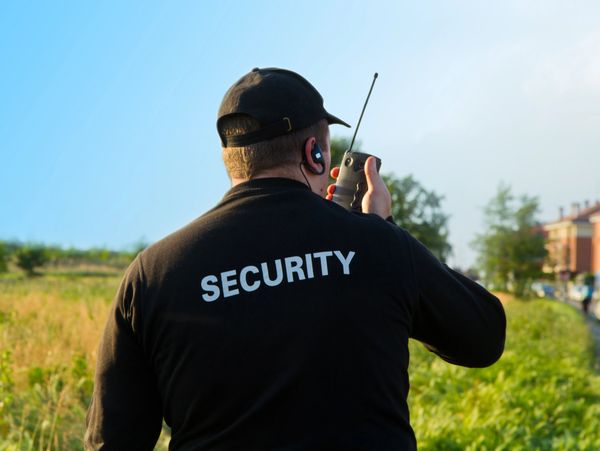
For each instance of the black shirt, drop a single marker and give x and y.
(280, 321)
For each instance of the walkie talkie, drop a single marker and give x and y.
(351, 184)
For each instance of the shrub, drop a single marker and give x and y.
(28, 258)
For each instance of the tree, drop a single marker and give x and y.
(413, 207)
(31, 257)
(512, 250)
(419, 211)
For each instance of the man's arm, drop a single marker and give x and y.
(125, 412)
(455, 317)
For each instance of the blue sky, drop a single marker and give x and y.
(107, 109)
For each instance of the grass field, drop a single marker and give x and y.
(543, 394)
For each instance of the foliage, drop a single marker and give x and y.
(56, 256)
(48, 413)
(338, 145)
(52, 326)
(28, 258)
(419, 211)
(413, 207)
(3, 257)
(542, 394)
(511, 251)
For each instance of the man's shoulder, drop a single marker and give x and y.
(372, 224)
(218, 228)
(174, 246)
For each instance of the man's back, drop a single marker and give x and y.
(278, 320)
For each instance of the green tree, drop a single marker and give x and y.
(420, 212)
(413, 207)
(28, 258)
(512, 249)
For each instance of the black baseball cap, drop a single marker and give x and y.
(280, 100)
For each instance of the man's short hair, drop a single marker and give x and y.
(281, 152)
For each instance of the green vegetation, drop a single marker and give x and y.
(29, 258)
(511, 251)
(50, 328)
(420, 212)
(544, 393)
(49, 331)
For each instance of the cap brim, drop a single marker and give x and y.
(336, 120)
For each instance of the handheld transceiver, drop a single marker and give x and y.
(351, 184)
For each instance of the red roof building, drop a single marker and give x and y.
(595, 221)
(570, 240)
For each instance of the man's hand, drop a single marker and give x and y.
(377, 199)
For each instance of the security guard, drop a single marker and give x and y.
(278, 320)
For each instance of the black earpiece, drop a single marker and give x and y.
(316, 154)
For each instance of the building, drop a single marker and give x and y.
(595, 221)
(573, 241)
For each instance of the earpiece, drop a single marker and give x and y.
(316, 154)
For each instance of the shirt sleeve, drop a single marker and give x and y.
(455, 317)
(125, 411)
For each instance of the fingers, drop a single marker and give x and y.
(330, 191)
(374, 180)
(334, 173)
(377, 199)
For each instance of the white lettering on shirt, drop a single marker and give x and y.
(323, 257)
(293, 265)
(207, 286)
(227, 283)
(278, 278)
(293, 269)
(309, 266)
(345, 261)
(244, 278)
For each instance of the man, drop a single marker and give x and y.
(278, 320)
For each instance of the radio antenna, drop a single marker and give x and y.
(362, 112)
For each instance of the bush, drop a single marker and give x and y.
(28, 258)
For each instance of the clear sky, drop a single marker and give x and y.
(108, 109)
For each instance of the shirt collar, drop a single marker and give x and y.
(266, 184)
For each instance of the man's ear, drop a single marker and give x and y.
(309, 161)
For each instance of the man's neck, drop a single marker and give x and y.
(271, 174)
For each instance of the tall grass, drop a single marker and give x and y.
(50, 329)
(543, 394)
(49, 332)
